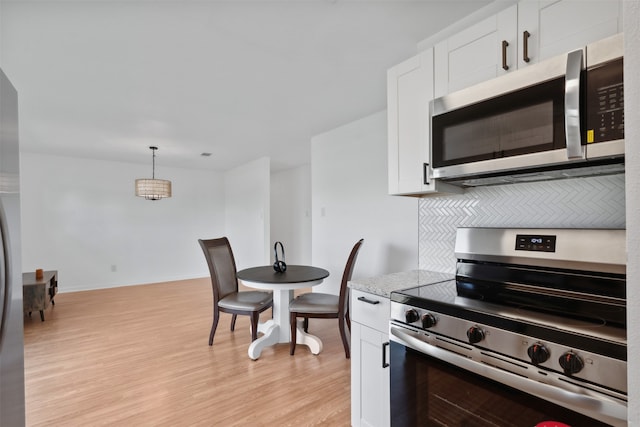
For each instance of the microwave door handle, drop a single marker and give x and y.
(572, 105)
(5, 274)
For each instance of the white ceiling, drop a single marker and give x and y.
(238, 79)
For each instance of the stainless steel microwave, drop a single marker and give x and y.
(560, 118)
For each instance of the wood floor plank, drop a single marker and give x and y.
(139, 356)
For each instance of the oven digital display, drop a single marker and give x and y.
(538, 243)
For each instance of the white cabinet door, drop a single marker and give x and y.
(559, 26)
(481, 52)
(370, 384)
(409, 91)
(553, 27)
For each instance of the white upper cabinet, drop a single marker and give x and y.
(478, 53)
(559, 26)
(521, 35)
(516, 37)
(409, 91)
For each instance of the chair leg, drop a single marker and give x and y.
(233, 322)
(216, 317)
(343, 335)
(292, 343)
(305, 325)
(254, 325)
(348, 320)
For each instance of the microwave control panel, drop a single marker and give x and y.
(605, 102)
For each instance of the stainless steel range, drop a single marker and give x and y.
(533, 327)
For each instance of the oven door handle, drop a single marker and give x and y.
(615, 413)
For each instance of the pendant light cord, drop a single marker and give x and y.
(153, 162)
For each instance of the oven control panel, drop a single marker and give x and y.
(536, 243)
(576, 363)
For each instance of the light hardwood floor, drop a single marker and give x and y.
(139, 356)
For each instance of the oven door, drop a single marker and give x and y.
(431, 386)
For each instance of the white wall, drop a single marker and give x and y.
(81, 217)
(291, 213)
(1, 38)
(631, 14)
(350, 201)
(247, 212)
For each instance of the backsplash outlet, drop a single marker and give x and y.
(595, 202)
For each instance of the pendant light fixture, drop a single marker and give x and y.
(153, 189)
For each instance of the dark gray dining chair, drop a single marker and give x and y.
(226, 296)
(326, 306)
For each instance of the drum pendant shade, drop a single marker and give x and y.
(153, 189)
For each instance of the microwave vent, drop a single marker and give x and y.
(546, 175)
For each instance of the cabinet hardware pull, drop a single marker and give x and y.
(384, 355)
(504, 55)
(368, 301)
(525, 46)
(425, 173)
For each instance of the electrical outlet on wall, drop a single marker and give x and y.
(114, 268)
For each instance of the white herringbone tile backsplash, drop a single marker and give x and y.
(596, 202)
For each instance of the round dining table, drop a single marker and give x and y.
(277, 330)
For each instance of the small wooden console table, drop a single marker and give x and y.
(36, 293)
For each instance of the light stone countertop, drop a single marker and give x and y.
(384, 285)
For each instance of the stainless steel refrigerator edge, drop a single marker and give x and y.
(12, 406)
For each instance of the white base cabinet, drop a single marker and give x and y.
(369, 351)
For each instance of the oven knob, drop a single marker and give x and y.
(571, 363)
(538, 353)
(411, 315)
(475, 334)
(428, 320)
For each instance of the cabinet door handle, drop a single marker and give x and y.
(384, 355)
(368, 301)
(525, 46)
(504, 55)
(425, 173)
